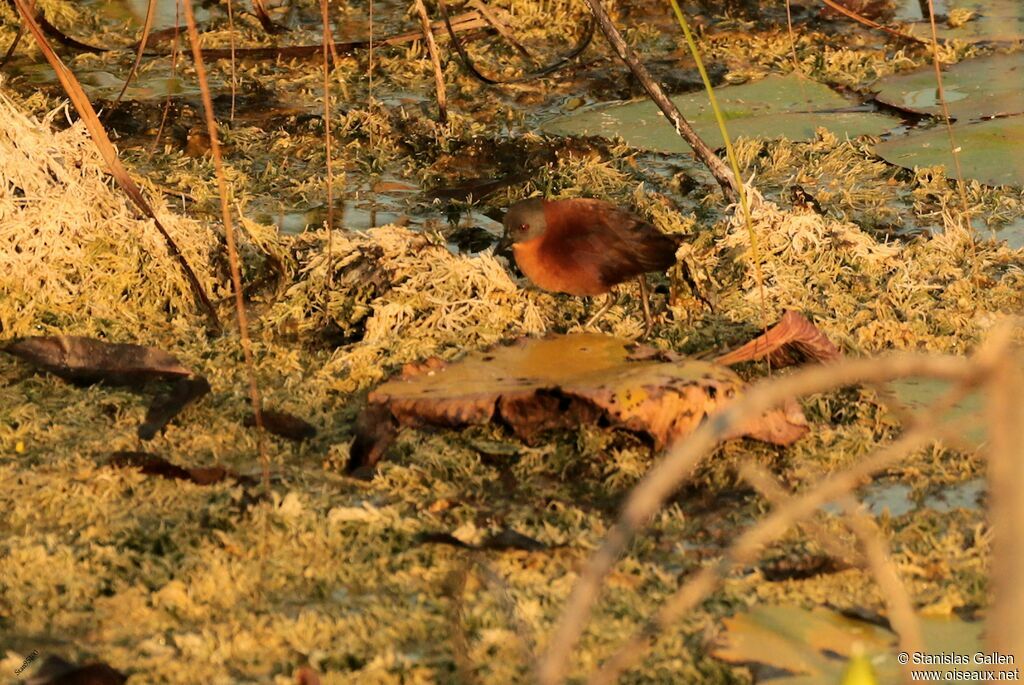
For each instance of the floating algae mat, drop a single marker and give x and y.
(775, 107)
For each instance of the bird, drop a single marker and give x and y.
(586, 247)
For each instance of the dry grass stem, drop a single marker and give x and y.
(869, 23)
(106, 149)
(941, 94)
(897, 598)
(749, 546)
(1005, 413)
(229, 234)
(876, 556)
(666, 477)
(435, 59)
(701, 150)
(456, 582)
(174, 73)
(325, 18)
(234, 70)
(147, 28)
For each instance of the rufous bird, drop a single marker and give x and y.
(586, 247)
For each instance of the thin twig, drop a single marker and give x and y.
(435, 59)
(174, 74)
(14, 46)
(147, 28)
(718, 168)
(229, 233)
(665, 477)
(234, 71)
(106, 149)
(558, 64)
(773, 491)
(730, 151)
(941, 92)
(872, 24)
(502, 28)
(750, 544)
(897, 598)
(1005, 623)
(876, 555)
(328, 40)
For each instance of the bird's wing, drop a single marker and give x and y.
(619, 244)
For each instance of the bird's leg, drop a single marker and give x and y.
(610, 301)
(645, 302)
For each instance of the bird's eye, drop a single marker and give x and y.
(523, 228)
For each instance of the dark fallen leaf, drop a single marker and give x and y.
(793, 340)
(154, 465)
(558, 382)
(859, 613)
(800, 567)
(442, 539)
(56, 671)
(474, 188)
(165, 407)
(283, 424)
(86, 360)
(510, 539)
(507, 539)
(375, 430)
(472, 239)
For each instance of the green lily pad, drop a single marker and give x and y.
(793, 646)
(995, 21)
(775, 107)
(917, 393)
(989, 150)
(975, 88)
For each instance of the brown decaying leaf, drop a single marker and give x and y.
(85, 361)
(306, 675)
(106, 149)
(535, 385)
(793, 340)
(56, 671)
(474, 188)
(155, 465)
(375, 430)
(165, 407)
(283, 424)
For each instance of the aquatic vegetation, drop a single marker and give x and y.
(457, 557)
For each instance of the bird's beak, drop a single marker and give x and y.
(504, 245)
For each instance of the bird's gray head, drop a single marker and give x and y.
(525, 221)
